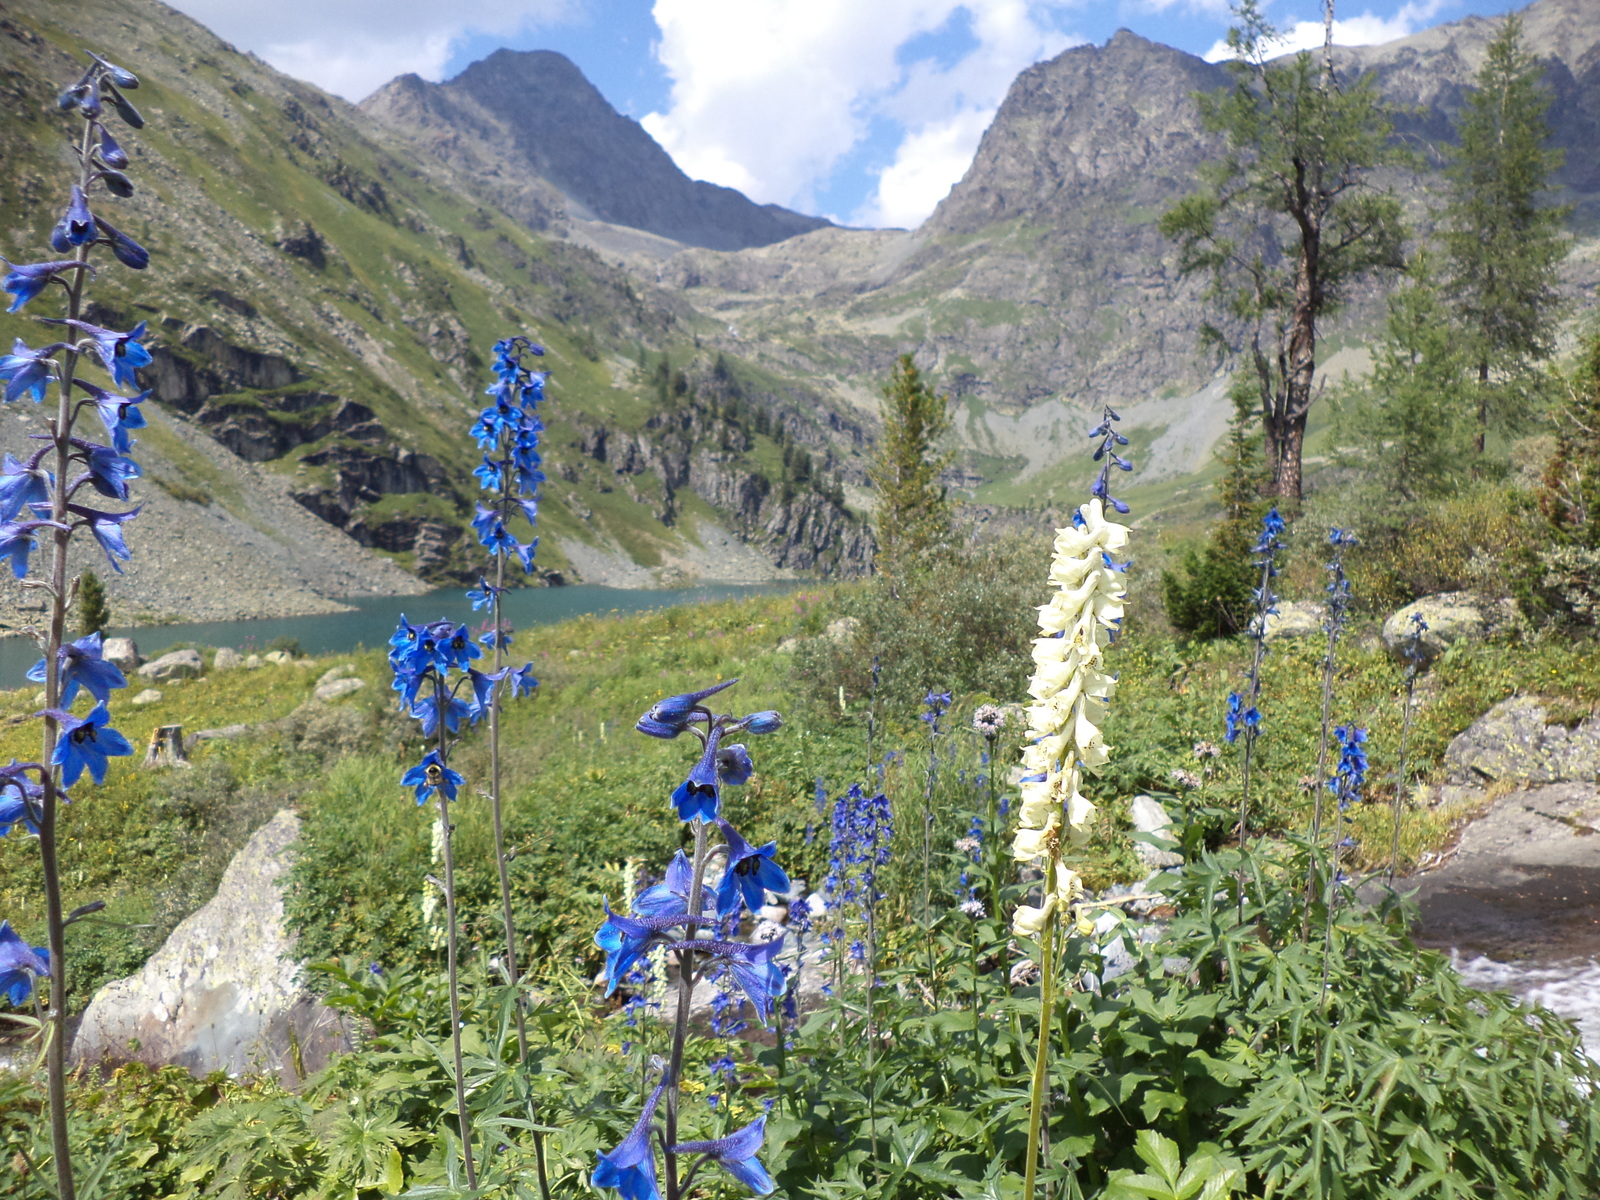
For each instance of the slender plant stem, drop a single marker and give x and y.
(1041, 1058)
(451, 943)
(540, 1166)
(55, 918)
(1322, 773)
(992, 830)
(680, 1024)
(1400, 771)
(871, 899)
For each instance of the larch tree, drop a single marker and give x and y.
(1286, 221)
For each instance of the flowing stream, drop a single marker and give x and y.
(371, 621)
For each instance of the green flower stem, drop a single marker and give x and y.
(55, 919)
(505, 875)
(680, 1024)
(1041, 1060)
(462, 1119)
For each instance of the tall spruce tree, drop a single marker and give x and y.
(1504, 244)
(913, 512)
(1411, 415)
(1286, 221)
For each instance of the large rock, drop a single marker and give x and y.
(334, 688)
(1451, 617)
(224, 992)
(1297, 619)
(226, 659)
(122, 653)
(1148, 816)
(180, 664)
(1513, 742)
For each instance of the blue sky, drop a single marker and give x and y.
(865, 111)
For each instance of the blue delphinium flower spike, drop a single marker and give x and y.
(736, 1154)
(76, 225)
(107, 530)
(670, 717)
(750, 874)
(20, 964)
(83, 667)
(430, 776)
(26, 280)
(631, 1167)
(85, 743)
(754, 968)
(734, 767)
(117, 413)
(27, 371)
(120, 353)
(699, 795)
(22, 484)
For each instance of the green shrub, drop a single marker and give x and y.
(964, 623)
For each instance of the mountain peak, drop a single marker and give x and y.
(537, 122)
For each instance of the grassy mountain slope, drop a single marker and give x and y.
(325, 301)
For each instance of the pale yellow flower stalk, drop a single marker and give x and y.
(1070, 689)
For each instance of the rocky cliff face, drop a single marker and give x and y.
(694, 448)
(553, 147)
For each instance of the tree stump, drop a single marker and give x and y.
(166, 747)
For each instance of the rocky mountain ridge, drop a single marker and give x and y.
(1040, 287)
(556, 151)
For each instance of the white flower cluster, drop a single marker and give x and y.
(1070, 689)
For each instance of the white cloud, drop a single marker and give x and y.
(769, 96)
(338, 49)
(1364, 30)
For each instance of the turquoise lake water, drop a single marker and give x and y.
(372, 621)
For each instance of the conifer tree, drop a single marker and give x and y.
(1212, 596)
(1286, 221)
(913, 512)
(1504, 245)
(1411, 415)
(94, 614)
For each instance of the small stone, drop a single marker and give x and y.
(40, 696)
(278, 658)
(332, 690)
(226, 659)
(122, 653)
(252, 661)
(777, 914)
(342, 671)
(148, 696)
(179, 664)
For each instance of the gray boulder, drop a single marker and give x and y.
(1451, 617)
(148, 696)
(1513, 742)
(122, 653)
(278, 658)
(180, 664)
(1296, 619)
(224, 992)
(334, 688)
(226, 659)
(1148, 816)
